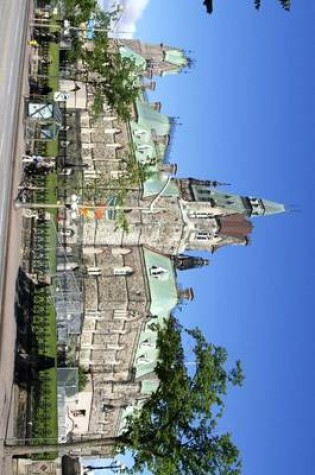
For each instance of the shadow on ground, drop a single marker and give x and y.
(28, 361)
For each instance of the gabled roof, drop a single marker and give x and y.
(163, 289)
(137, 59)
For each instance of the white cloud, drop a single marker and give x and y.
(133, 11)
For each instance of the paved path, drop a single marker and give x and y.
(12, 27)
(14, 15)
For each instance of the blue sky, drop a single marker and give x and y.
(247, 110)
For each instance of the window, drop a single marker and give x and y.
(78, 413)
(140, 132)
(126, 270)
(200, 214)
(143, 360)
(143, 148)
(203, 236)
(159, 273)
(146, 344)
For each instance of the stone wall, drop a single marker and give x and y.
(116, 309)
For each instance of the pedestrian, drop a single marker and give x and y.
(33, 43)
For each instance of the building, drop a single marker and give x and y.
(130, 240)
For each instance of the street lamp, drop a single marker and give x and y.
(117, 467)
(75, 207)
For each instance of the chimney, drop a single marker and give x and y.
(187, 294)
(170, 168)
(150, 85)
(156, 106)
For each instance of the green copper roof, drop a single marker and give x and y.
(138, 60)
(273, 208)
(163, 294)
(149, 121)
(147, 367)
(152, 119)
(232, 203)
(176, 57)
(163, 288)
(147, 353)
(169, 72)
(149, 386)
(143, 144)
(237, 204)
(128, 411)
(154, 184)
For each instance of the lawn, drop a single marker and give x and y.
(44, 327)
(44, 386)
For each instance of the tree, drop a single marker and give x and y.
(115, 80)
(82, 379)
(78, 11)
(176, 430)
(209, 6)
(286, 4)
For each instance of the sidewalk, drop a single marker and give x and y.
(8, 322)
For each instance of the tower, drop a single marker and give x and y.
(217, 218)
(159, 59)
(178, 215)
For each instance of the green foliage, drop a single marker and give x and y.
(286, 4)
(122, 221)
(75, 52)
(78, 11)
(83, 379)
(97, 104)
(133, 175)
(176, 431)
(115, 80)
(44, 386)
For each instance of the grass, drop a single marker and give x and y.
(44, 325)
(52, 148)
(44, 331)
(44, 387)
(53, 70)
(53, 82)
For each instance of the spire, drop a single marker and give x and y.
(271, 207)
(261, 207)
(208, 183)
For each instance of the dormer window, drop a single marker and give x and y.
(140, 133)
(146, 344)
(143, 359)
(159, 273)
(144, 148)
(203, 236)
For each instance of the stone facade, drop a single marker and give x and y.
(124, 268)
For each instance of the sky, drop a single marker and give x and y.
(247, 115)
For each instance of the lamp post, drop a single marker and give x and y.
(115, 466)
(78, 207)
